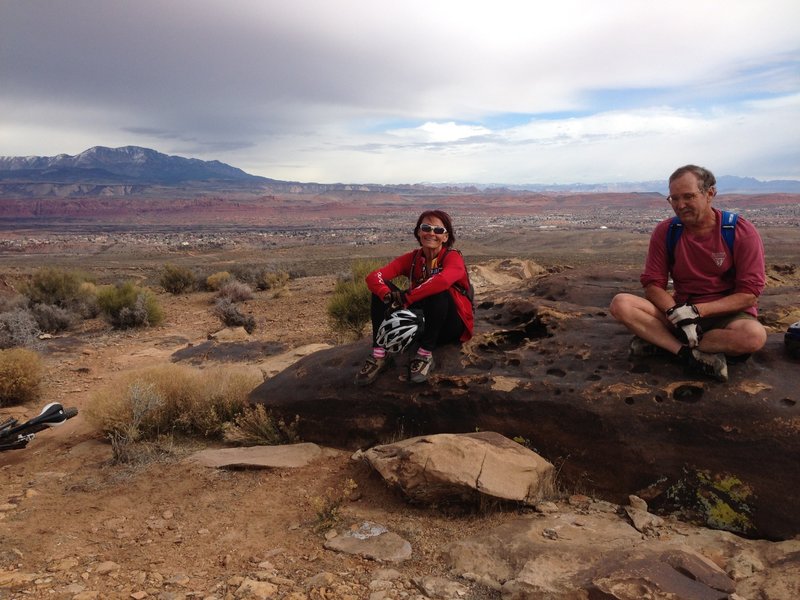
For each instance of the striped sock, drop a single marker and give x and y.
(424, 353)
(378, 352)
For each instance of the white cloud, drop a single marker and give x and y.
(432, 132)
(315, 90)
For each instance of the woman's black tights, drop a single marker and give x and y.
(442, 323)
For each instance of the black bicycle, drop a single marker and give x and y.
(14, 436)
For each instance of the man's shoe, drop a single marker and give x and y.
(713, 365)
(641, 349)
(371, 369)
(419, 368)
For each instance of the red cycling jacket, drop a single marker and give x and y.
(450, 274)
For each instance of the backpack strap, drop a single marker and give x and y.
(673, 235)
(727, 226)
(729, 220)
(411, 270)
(468, 292)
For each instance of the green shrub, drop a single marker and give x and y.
(126, 305)
(55, 286)
(349, 307)
(216, 280)
(20, 376)
(177, 280)
(231, 316)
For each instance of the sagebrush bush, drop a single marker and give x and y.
(20, 376)
(126, 305)
(10, 303)
(231, 316)
(56, 287)
(171, 398)
(216, 280)
(273, 280)
(177, 280)
(86, 304)
(349, 307)
(18, 327)
(235, 291)
(52, 319)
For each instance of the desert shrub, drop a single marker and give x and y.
(349, 307)
(18, 327)
(86, 303)
(273, 280)
(231, 316)
(52, 319)
(13, 302)
(57, 287)
(20, 376)
(126, 305)
(255, 426)
(259, 277)
(216, 280)
(327, 506)
(147, 404)
(143, 400)
(177, 280)
(235, 291)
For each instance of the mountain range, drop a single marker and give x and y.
(133, 170)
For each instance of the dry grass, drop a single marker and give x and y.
(20, 376)
(256, 426)
(170, 398)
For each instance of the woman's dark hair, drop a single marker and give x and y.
(444, 218)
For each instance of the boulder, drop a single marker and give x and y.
(446, 468)
(548, 366)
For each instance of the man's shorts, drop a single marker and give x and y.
(720, 322)
(709, 323)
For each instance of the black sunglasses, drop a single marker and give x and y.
(427, 228)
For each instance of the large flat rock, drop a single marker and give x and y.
(549, 366)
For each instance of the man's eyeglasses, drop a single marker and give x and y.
(427, 228)
(685, 197)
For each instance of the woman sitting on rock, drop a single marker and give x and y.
(439, 291)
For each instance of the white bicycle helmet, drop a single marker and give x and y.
(399, 330)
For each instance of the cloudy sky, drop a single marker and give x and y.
(407, 91)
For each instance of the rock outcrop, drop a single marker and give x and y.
(549, 366)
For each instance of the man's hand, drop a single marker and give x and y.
(686, 318)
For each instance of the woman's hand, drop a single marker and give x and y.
(396, 299)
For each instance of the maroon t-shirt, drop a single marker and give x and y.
(703, 268)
